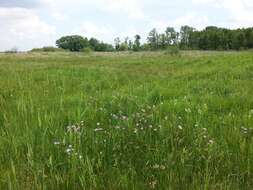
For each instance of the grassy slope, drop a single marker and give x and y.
(168, 122)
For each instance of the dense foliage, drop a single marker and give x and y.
(72, 43)
(211, 38)
(214, 38)
(78, 43)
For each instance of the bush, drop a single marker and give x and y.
(47, 49)
(87, 50)
(173, 50)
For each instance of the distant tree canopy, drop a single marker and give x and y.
(214, 38)
(211, 38)
(78, 43)
(72, 43)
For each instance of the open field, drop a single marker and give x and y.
(126, 121)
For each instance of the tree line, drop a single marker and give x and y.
(210, 38)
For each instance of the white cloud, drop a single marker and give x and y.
(240, 12)
(59, 16)
(20, 26)
(130, 7)
(192, 19)
(89, 29)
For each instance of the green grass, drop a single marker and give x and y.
(126, 121)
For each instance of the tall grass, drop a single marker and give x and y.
(139, 121)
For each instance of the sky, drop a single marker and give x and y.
(28, 24)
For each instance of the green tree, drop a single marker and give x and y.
(117, 43)
(185, 33)
(72, 43)
(152, 39)
(137, 43)
(171, 36)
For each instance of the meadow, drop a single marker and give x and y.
(121, 121)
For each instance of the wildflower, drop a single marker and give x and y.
(135, 131)
(114, 116)
(153, 184)
(69, 150)
(56, 143)
(73, 128)
(150, 126)
(180, 127)
(117, 127)
(156, 166)
(98, 129)
(210, 142)
(98, 124)
(162, 167)
(80, 156)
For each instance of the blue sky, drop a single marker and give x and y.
(26, 24)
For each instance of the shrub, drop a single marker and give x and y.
(87, 50)
(47, 49)
(173, 50)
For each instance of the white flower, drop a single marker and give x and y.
(180, 127)
(69, 150)
(98, 124)
(56, 143)
(98, 129)
(211, 142)
(117, 127)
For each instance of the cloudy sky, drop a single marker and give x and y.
(35, 23)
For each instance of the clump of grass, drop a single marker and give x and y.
(173, 50)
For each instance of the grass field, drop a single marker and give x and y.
(126, 121)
